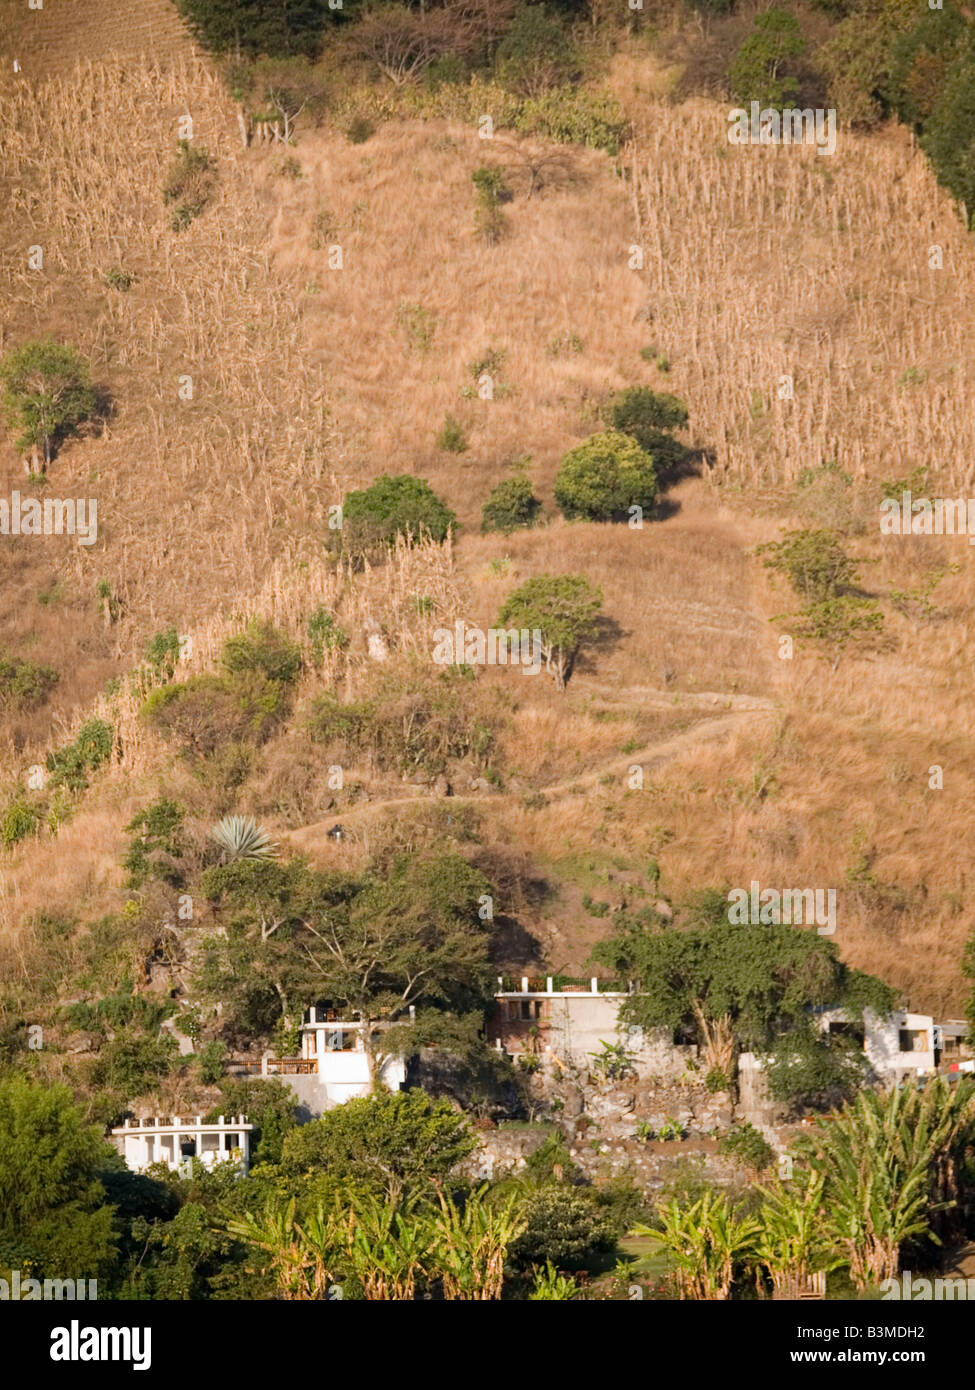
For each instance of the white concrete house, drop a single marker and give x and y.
(897, 1046)
(569, 1026)
(178, 1139)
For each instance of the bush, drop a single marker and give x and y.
(649, 416)
(536, 53)
(162, 652)
(189, 184)
(261, 647)
(574, 116)
(747, 1145)
(492, 191)
(451, 437)
(949, 135)
(208, 711)
(25, 685)
(18, 821)
(603, 478)
(565, 1225)
(69, 767)
(210, 1061)
(391, 507)
(814, 563)
(511, 505)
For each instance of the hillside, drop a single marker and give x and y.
(310, 381)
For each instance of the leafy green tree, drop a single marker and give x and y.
(649, 417)
(46, 393)
(602, 479)
(564, 1225)
(536, 53)
(949, 132)
(759, 70)
(734, 986)
(54, 1218)
(270, 1106)
(249, 28)
(157, 841)
(813, 561)
(409, 932)
(814, 1070)
(386, 1143)
(391, 507)
(563, 607)
(921, 60)
(261, 647)
(512, 504)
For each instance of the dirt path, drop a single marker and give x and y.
(740, 712)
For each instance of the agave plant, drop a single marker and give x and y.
(240, 837)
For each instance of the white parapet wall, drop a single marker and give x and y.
(179, 1139)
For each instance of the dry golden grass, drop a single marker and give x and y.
(758, 264)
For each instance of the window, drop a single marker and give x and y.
(913, 1040)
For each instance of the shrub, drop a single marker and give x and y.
(451, 437)
(391, 507)
(949, 135)
(536, 53)
(813, 561)
(188, 185)
(208, 711)
(24, 685)
(603, 478)
(241, 837)
(747, 1145)
(489, 221)
(209, 1062)
(325, 634)
(69, 767)
(261, 647)
(649, 416)
(565, 1225)
(18, 821)
(574, 115)
(756, 71)
(156, 842)
(512, 504)
(46, 393)
(162, 652)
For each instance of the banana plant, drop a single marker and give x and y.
(708, 1245)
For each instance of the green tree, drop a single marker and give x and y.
(261, 647)
(46, 393)
(563, 608)
(157, 841)
(564, 1225)
(949, 132)
(391, 1144)
(889, 1164)
(54, 1218)
(813, 561)
(391, 507)
(836, 625)
(759, 70)
(649, 417)
(602, 479)
(536, 53)
(278, 28)
(733, 986)
(709, 1244)
(511, 504)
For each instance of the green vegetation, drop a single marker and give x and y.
(24, 684)
(605, 478)
(511, 505)
(189, 185)
(393, 506)
(563, 609)
(46, 393)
